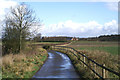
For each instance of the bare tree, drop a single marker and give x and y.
(18, 24)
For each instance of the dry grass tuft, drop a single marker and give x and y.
(7, 60)
(19, 57)
(10, 59)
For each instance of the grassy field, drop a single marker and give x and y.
(110, 47)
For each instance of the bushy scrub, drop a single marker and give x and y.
(46, 46)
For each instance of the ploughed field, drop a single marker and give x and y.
(104, 46)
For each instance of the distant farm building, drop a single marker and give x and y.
(74, 39)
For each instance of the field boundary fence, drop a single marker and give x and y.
(100, 70)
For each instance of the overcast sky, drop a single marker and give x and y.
(80, 19)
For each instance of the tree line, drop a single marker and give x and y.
(112, 37)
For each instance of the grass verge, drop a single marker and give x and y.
(24, 64)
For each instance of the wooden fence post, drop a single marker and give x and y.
(103, 72)
(95, 70)
(53, 47)
(84, 61)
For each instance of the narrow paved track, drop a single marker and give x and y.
(58, 65)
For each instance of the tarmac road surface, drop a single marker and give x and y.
(58, 65)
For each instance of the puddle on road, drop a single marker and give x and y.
(51, 55)
(66, 64)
